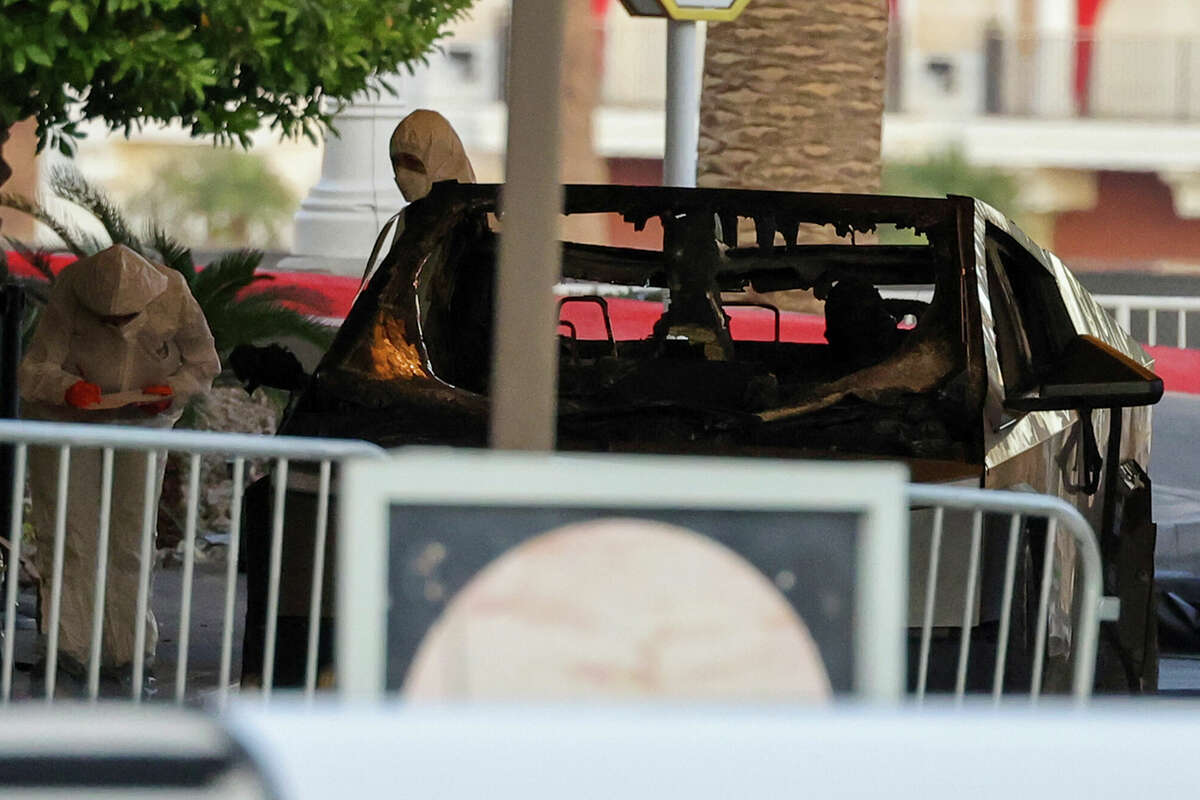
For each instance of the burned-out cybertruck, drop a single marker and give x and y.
(966, 350)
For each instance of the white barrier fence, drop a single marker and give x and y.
(1060, 519)
(1141, 315)
(155, 445)
(1020, 507)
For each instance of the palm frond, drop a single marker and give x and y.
(69, 184)
(33, 313)
(36, 291)
(174, 254)
(300, 298)
(260, 319)
(37, 258)
(73, 239)
(220, 281)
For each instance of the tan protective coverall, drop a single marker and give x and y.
(168, 342)
(427, 137)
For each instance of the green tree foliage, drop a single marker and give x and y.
(949, 172)
(234, 316)
(220, 67)
(219, 196)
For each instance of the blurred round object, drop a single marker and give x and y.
(617, 609)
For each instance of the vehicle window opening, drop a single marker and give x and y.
(1012, 345)
(1039, 327)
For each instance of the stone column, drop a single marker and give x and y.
(338, 221)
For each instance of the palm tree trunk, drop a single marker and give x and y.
(793, 100)
(582, 67)
(793, 97)
(5, 169)
(18, 173)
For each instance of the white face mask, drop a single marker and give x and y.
(413, 184)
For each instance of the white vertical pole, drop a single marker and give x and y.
(935, 552)
(343, 213)
(14, 570)
(318, 582)
(964, 644)
(274, 573)
(525, 349)
(101, 587)
(145, 564)
(189, 568)
(683, 104)
(235, 538)
(56, 576)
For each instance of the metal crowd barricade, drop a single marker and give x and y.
(156, 444)
(285, 450)
(1059, 516)
(1123, 308)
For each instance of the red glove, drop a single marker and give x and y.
(82, 394)
(162, 405)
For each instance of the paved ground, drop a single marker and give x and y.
(1179, 675)
(204, 647)
(1175, 472)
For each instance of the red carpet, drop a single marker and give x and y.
(333, 295)
(634, 319)
(313, 293)
(1179, 369)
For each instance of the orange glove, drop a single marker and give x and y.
(162, 405)
(82, 394)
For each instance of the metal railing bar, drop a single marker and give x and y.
(1084, 672)
(600, 301)
(276, 567)
(1123, 315)
(1151, 327)
(1147, 301)
(14, 569)
(1001, 501)
(82, 435)
(99, 590)
(751, 304)
(1181, 330)
(314, 609)
(1010, 574)
(935, 549)
(189, 565)
(964, 646)
(56, 574)
(1043, 618)
(1055, 510)
(149, 517)
(235, 536)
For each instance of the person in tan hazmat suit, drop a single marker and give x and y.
(424, 150)
(115, 323)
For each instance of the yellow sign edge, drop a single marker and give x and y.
(672, 10)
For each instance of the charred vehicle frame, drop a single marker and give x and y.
(972, 354)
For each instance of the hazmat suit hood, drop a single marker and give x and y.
(424, 150)
(117, 282)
